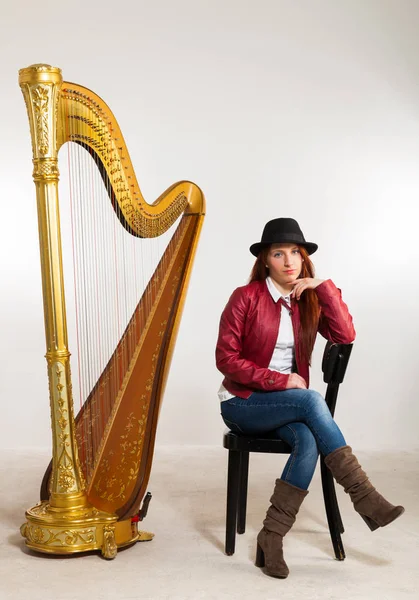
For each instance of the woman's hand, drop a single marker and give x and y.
(307, 283)
(295, 381)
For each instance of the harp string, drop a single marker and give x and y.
(77, 375)
(100, 192)
(95, 308)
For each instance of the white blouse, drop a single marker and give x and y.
(283, 355)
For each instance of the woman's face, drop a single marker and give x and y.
(284, 262)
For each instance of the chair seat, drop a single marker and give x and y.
(254, 443)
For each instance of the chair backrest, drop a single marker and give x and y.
(334, 363)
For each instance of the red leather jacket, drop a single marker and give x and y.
(249, 330)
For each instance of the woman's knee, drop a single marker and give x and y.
(314, 402)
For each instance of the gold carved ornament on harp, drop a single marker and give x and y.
(101, 460)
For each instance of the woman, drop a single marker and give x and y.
(267, 333)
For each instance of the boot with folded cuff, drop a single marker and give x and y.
(280, 517)
(373, 508)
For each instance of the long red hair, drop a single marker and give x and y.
(308, 303)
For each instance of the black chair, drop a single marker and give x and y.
(335, 360)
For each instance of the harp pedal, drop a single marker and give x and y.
(143, 536)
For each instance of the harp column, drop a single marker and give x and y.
(67, 523)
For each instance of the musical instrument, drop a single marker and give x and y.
(131, 266)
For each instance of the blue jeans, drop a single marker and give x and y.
(299, 417)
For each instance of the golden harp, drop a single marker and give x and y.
(128, 302)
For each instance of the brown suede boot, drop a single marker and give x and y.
(373, 508)
(286, 501)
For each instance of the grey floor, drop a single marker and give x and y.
(186, 560)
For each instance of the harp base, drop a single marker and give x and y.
(62, 531)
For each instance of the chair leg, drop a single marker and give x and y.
(242, 500)
(338, 516)
(232, 500)
(332, 511)
(335, 505)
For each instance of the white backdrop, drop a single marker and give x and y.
(307, 109)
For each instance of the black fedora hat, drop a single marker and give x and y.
(282, 231)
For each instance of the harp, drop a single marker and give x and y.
(126, 329)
